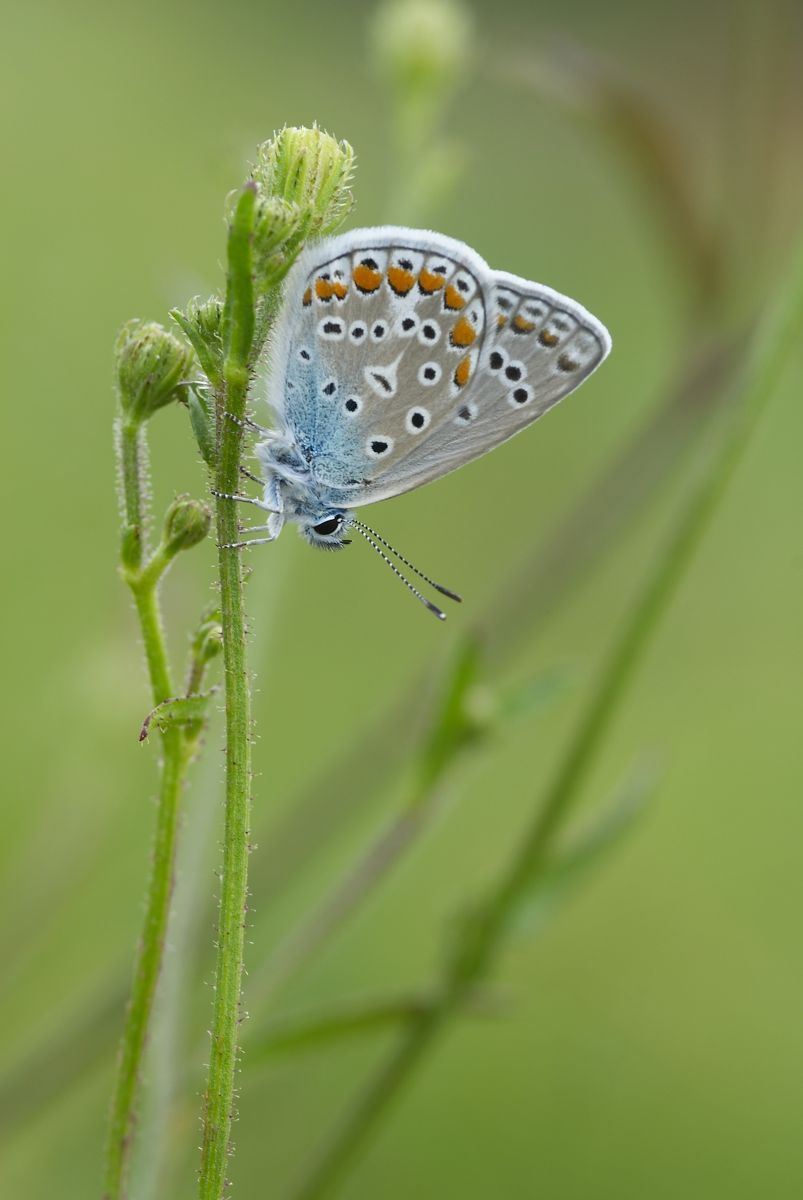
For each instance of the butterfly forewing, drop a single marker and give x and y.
(405, 356)
(539, 347)
(380, 341)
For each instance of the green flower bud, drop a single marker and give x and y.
(205, 317)
(151, 367)
(275, 221)
(311, 170)
(422, 45)
(201, 324)
(187, 522)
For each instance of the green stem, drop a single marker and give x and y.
(219, 1097)
(144, 586)
(484, 932)
(372, 1105)
(147, 968)
(132, 455)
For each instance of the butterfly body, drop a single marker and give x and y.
(399, 356)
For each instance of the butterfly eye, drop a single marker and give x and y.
(328, 527)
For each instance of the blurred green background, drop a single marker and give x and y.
(650, 1040)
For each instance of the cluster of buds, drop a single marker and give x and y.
(308, 173)
(300, 181)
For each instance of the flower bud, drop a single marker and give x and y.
(275, 221)
(187, 522)
(151, 367)
(205, 316)
(311, 170)
(422, 45)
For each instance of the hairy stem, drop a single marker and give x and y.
(219, 1097)
(484, 931)
(144, 585)
(147, 968)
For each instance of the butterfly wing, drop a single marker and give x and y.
(402, 357)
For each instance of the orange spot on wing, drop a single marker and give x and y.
(522, 325)
(339, 290)
(547, 339)
(453, 299)
(501, 320)
(429, 282)
(400, 280)
(463, 371)
(463, 333)
(366, 278)
(324, 289)
(307, 300)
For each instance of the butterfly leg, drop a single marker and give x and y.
(250, 542)
(249, 475)
(243, 500)
(246, 423)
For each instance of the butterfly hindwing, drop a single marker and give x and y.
(405, 356)
(540, 346)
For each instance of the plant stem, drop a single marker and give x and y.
(219, 1097)
(144, 585)
(148, 964)
(484, 931)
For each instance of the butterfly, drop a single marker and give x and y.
(399, 356)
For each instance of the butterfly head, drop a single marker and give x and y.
(325, 529)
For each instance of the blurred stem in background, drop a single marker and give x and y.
(423, 49)
(572, 78)
(485, 930)
(151, 369)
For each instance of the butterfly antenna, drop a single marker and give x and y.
(433, 608)
(366, 529)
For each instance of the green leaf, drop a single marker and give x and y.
(304, 1031)
(201, 326)
(238, 312)
(183, 710)
(524, 700)
(568, 869)
(202, 426)
(453, 725)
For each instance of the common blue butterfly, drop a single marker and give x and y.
(398, 356)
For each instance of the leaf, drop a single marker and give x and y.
(237, 326)
(201, 423)
(453, 725)
(309, 1030)
(525, 699)
(567, 870)
(183, 710)
(206, 346)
